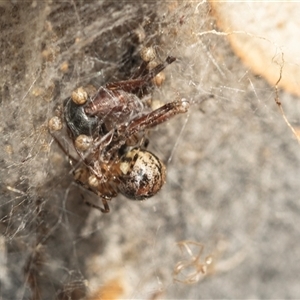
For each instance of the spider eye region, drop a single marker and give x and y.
(142, 174)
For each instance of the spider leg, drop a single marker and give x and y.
(103, 210)
(144, 143)
(132, 85)
(71, 157)
(124, 131)
(141, 70)
(157, 116)
(158, 68)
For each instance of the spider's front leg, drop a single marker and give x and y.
(139, 124)
(156, 117)
(131, 85)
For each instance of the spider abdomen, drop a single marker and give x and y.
(142, 174)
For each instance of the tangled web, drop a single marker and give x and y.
(232, 163)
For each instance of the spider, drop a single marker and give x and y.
(107, 128)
